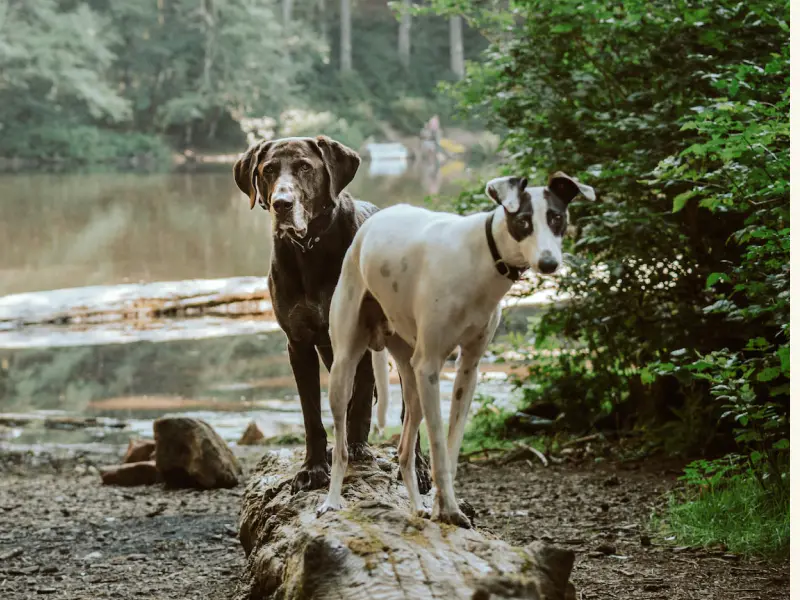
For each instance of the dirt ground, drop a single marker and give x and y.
(64, 535)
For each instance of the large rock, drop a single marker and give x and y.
(189, 453)
(374, 548)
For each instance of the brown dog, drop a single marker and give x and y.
(301, 182)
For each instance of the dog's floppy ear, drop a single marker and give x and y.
(340, 161)
(566, 188)
(245, 171)
(506, 191)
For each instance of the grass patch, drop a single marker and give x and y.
(740, 513)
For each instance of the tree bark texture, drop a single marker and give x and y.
(456, 47)
(345, 43)
(404, 35)
(375, 549)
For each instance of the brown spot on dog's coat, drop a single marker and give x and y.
(433, 378)
(385, 270)
(459, 393)
(395, 287)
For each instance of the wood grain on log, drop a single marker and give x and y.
(374, 548)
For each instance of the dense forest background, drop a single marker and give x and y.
(101, 80)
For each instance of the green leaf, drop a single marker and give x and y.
(715, 278)
(681, 199)
(647, 376)
(783, 355)
(769, 374)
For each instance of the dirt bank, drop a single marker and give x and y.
(63, 535)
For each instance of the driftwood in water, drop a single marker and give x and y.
(374, 548)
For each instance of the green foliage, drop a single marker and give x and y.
(724, 502)
(486, 427)
(677, 113)
(188, 72)
(84, 144)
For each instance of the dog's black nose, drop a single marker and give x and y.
(281, 205)
(547, 263)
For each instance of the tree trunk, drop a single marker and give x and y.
(374, 548)
(456, 47)
(287, 11)
(404, 35)
(345, 47)
(323, 23)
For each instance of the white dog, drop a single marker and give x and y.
(422, 283)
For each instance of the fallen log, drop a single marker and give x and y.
(375, 549)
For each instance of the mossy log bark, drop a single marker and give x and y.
(374, 549)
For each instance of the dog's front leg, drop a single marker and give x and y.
(314, 473)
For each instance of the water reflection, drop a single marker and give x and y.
(106, 228)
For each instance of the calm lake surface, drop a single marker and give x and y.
(61, 231)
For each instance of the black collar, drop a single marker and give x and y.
(317, 228)
(506, 270)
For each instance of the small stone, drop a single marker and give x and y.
(604, 507)
(131, 474)
(607, 549)
(11, 554)
(92, 556)
(252, 435)
(46, 590)
(139, 451)
(611, 481)
(49, 569)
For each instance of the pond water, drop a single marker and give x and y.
(60, 231)
(64, 231)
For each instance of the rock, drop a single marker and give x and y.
(189, 453)
(139, 451)
(374, 547)
(251, 436)
(606, 549)
(92, 557)
(131, 474)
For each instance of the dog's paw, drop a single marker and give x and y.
(311, 478)
(360, 452)
(329, 506)
(456, 517)
(424, 513)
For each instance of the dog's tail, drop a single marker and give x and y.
(380, 366)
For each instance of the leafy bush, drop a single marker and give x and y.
(677, 113)
(83, 144)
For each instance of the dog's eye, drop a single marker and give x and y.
(556, 220)
(305, 167)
